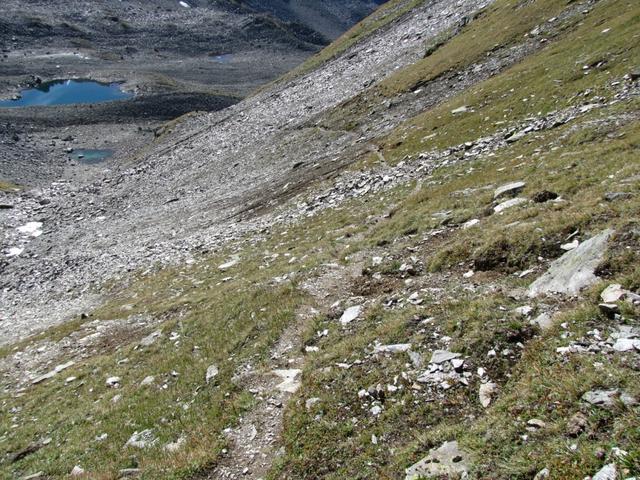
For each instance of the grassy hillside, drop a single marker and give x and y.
(299, 278)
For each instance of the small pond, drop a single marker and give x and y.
(66, 92)
(226, 58)
(90, 157)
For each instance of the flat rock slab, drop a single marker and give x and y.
(574, 270)
(501, 207)
(441, 356)
(350, 314)
(510, 189)
(447, 461)
(608, 398)
(396, 348)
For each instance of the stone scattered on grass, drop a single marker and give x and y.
(228, 264)
(141, 439)
(350, 314)
(501, 207)
(113, 382)
(470, 223)
(212, 373)
(77, 471)
(463, 109)
(52, 373)
(543, 321)
(151, 338)
(574, 270)
(310, 402)
(524, 311)
(608, 398)
(486, 393)
(147, 381)
(614, 293)
(608, 472)
(536, 423)
(542, 474)
(397, 348)
(175, 446)
(447, 461)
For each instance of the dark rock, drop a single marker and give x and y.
(544, 196)
(609, 309)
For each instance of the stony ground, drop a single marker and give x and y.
(429, 270)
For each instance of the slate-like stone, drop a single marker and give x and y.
(574, 270)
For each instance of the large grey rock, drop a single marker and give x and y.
(574, 270)
(508, 190)
(447, 461)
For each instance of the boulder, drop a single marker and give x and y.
(574, 270)
(509, 190)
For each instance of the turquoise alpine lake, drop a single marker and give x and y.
(67, 92)
(91, 157)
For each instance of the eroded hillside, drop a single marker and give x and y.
(414, 256)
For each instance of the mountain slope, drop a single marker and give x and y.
(329, 18)
(345, 229)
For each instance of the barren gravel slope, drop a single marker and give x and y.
(181, 196)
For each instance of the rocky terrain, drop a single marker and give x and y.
(413, 256)
(176, 59)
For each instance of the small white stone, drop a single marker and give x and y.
(113, 382)
(350, 314)
(77, 471)
(212, 372)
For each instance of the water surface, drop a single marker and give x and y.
(91, 157)
(67, 92)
